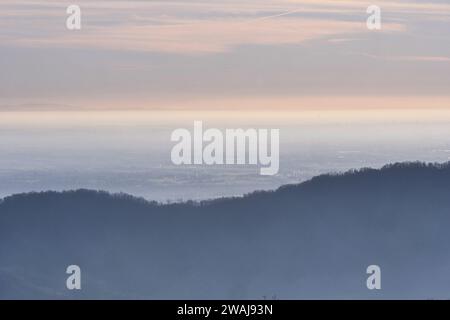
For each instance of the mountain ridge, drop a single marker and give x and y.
(310, 240)
(411, 165)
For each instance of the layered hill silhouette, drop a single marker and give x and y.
(310, 240)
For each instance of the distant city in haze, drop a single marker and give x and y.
(120, 156)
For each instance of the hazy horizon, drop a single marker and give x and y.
(129, 152)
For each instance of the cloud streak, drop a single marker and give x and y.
(210, 36)
(174, 28)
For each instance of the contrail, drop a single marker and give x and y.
(277, 15)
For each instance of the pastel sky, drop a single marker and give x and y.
(224, 54)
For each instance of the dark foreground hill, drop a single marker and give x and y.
(312, 240)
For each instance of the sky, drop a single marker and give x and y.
(217, 54)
